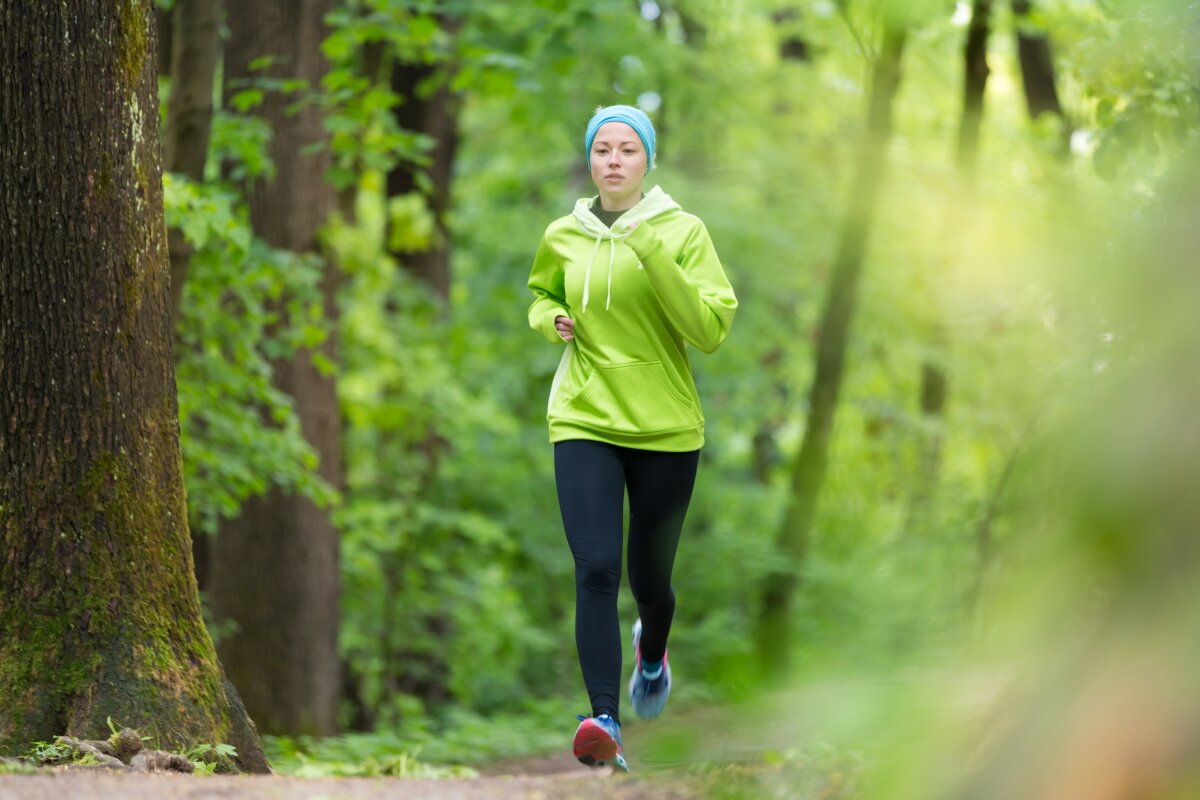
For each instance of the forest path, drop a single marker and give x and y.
(692, 754)
(98, 785)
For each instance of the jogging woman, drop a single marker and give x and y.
(625, 281)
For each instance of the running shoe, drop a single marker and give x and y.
(598, 742)
(648, 695)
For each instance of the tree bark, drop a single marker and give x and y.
(275, 567)
(808, 470)
(975, 77)
(792, 45)
(99, 613)
(189, 112)
(1037, 64)
(162, 19)
(193, 62)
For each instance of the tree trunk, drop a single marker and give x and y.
(934, 382)
(1037, 64)
(275, 567)
(429, 107)
(975, 77)
(99, 613)
(193, 62)
(434, 114)
(808, 470)
(162, 18)
(189, 112)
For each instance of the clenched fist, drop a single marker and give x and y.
(565, 327)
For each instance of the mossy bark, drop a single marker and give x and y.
(99, 613)
(275, 569)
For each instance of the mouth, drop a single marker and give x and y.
(614, 177)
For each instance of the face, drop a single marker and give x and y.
(618, 161)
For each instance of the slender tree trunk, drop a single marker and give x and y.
(792, 45)
(189, 112)
(435, 114)
(99, 613)
(975, 77)
(935, 384)
(1037, 64)
(429, 107)
(162, 19)
(193, 63)
(275, 567)
(808, 470)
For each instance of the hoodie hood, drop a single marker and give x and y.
(653, 203)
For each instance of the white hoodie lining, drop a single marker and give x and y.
(655, 202)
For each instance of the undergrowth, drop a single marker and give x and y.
(427, 748)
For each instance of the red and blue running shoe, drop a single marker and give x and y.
(648, 690)
(598, 742)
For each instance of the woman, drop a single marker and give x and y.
(625, 281)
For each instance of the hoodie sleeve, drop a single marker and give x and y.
(694, 291)
(546, 283)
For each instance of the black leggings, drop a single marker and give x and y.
(592, 478)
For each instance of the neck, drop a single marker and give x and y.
(611, 203)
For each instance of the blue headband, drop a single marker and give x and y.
(633, 117)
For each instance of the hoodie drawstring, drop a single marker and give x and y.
(654, 202)
(587, 275)
(612, 256)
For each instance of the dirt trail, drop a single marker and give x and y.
(103, 785)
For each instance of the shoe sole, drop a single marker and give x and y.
(593, 745)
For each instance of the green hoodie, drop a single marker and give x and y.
(636, 298)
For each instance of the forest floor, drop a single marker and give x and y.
(96, 785)
(655, 776)
(549, 777)
(748, 752)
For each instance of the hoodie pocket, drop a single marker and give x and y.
(635, 398)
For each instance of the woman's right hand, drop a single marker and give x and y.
(565, 327)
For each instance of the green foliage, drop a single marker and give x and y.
(211, 758)
(245, 304)
(427, 747)
(51, 753)
(425, 545)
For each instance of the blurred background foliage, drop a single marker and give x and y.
(1054, 290)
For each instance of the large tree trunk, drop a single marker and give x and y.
(808, 470)
(275, 567)
(189, 112)
(99, 614)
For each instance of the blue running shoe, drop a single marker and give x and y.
(598, 742)
(648, 695)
